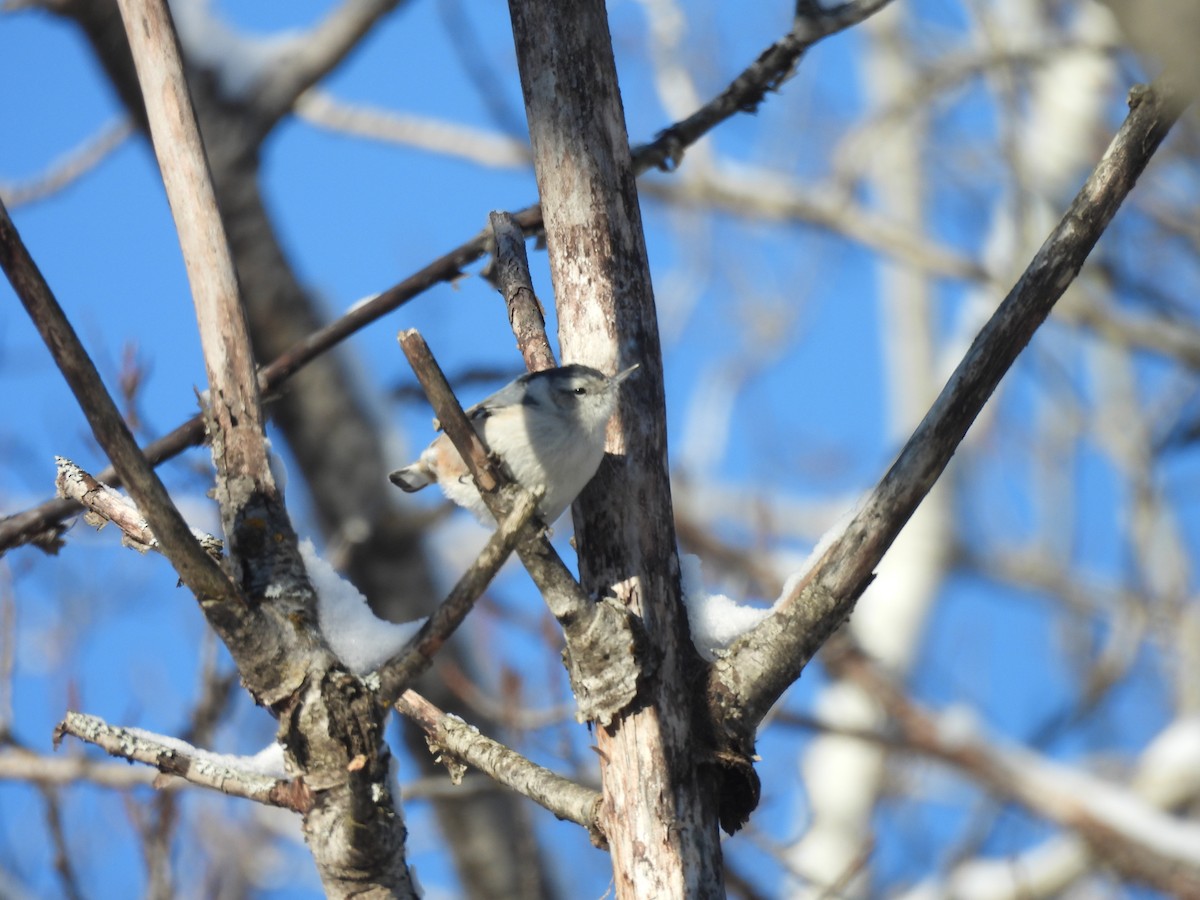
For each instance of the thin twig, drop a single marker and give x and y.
(108, 505)
(74, 165)
(195, 567)
(398, 672)
(467, 441)
(559, 588)
(173, 757)
(774, 66)
(155, 821)
(8, 654)
(450, 734)
(216, 690)
(58, 839)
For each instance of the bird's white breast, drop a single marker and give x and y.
(561, 460)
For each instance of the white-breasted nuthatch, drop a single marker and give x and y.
(547, 427)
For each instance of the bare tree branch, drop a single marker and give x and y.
(64, 867)
(238, 446)
(317, 52)
(450, 734)
(77, 163)
(480, 146)
(509, 271)
(250, 508)
(760, 194)
(17, 764)
(16, 528)
(330, 725)
(743, 191)
(761, 665)
(1109, 818)
(194, 566)
(660, 811)
(467, 441)
(774, 66)
(8, 655)
(397, 673)
(74, 483)
(172, 757)
(1173, 338)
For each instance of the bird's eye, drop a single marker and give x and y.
(579, 392)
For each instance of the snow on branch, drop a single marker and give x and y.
(762, 665)
(104, 504)
(259, 778)
(357, 636)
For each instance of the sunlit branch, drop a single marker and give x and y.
(451, 735)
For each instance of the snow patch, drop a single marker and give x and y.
(715, 620)
(358, 637)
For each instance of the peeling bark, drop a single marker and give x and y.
(659, 809)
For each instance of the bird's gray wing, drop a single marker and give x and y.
(512, 394)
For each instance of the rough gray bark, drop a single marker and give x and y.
(330, 725)
(455, 743)
(347, 478)
(659, 811)
(509, 271)
(762, 664)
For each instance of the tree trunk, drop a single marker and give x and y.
(659, 812)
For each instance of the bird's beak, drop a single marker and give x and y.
(621, 376)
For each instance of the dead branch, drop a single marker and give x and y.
(761, 665)
(397, 673)
(172, 757)
(450, 734)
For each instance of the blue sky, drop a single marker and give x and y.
(358, 216)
